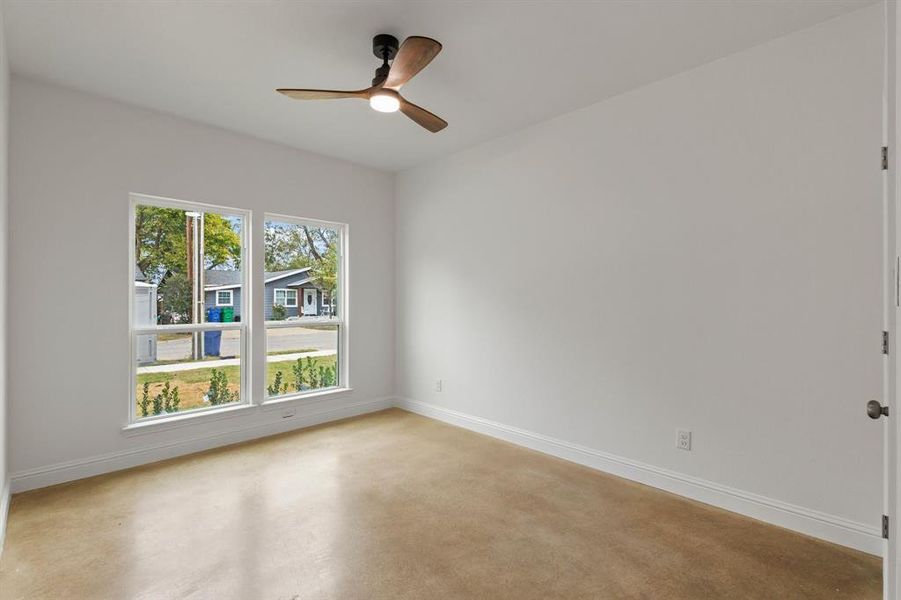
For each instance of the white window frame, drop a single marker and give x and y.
(340, 318)
(231, 297)
(287, 291)
(135, 422)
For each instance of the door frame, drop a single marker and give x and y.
(891, 299)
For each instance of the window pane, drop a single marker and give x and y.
(300, 359)
(301, 270)
(181, 256)
(170, 381)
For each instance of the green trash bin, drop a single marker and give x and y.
(228, 314)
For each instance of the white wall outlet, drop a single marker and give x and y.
(439, 385)
(683, 439)
(287, 413)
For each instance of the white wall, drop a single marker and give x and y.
(4, 428)
(701, 253)
(74, 160)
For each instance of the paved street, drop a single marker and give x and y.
(278, 340)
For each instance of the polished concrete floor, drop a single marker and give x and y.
(396, 506)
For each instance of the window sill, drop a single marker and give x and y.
(176, 421)
(277, 403)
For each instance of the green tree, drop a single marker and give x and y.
(290, 246)
(325, 271)
(161, 242)
(221, 242)
(175, 297)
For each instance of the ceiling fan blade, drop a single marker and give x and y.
(323, 94)
(414, 54)
(433, 123)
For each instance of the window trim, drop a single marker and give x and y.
(231, 297)
(133, 421)
(286, 290)
(340, 319)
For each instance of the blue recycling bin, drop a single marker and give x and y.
(211, 342)
(212, 339)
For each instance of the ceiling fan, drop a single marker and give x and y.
(412, 57)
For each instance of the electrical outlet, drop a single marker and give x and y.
(288, 413)
(683, 439)
(438, 385)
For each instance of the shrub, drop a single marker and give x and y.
(310, 376)
(279, 313)
(219, 392)
(277, 386)
(297, 369)
(158, 400)
(166, 401)
(145, 400)
(312, 373)
(327, 376)
(170, 399)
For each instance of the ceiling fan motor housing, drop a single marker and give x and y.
(385, 46)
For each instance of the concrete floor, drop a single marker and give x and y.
(396, 506)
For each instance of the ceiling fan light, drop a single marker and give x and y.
(384, 103)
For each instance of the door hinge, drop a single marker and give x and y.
(885, 342)
(885, 527)
(885, 158)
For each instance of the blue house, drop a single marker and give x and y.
(292, 289)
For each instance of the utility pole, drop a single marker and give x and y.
(194, 246)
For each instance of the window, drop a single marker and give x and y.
(286, 298)
(189, 288)
(305, 341)
(187, 353)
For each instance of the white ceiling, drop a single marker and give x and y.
(505, 64)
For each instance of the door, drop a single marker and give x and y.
(309, 302)
(891, 421)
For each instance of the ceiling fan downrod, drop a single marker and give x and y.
(384, 46)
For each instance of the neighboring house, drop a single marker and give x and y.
(292, 289)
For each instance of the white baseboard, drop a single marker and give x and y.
(797, 518)
(96, 465)
(5, 497)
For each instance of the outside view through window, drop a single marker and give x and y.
(188, 271)
(189, 300)
(301, 308)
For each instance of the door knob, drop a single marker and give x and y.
(876, 410)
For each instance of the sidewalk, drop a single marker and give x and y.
(213, 362)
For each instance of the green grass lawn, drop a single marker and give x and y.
(194, 383)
